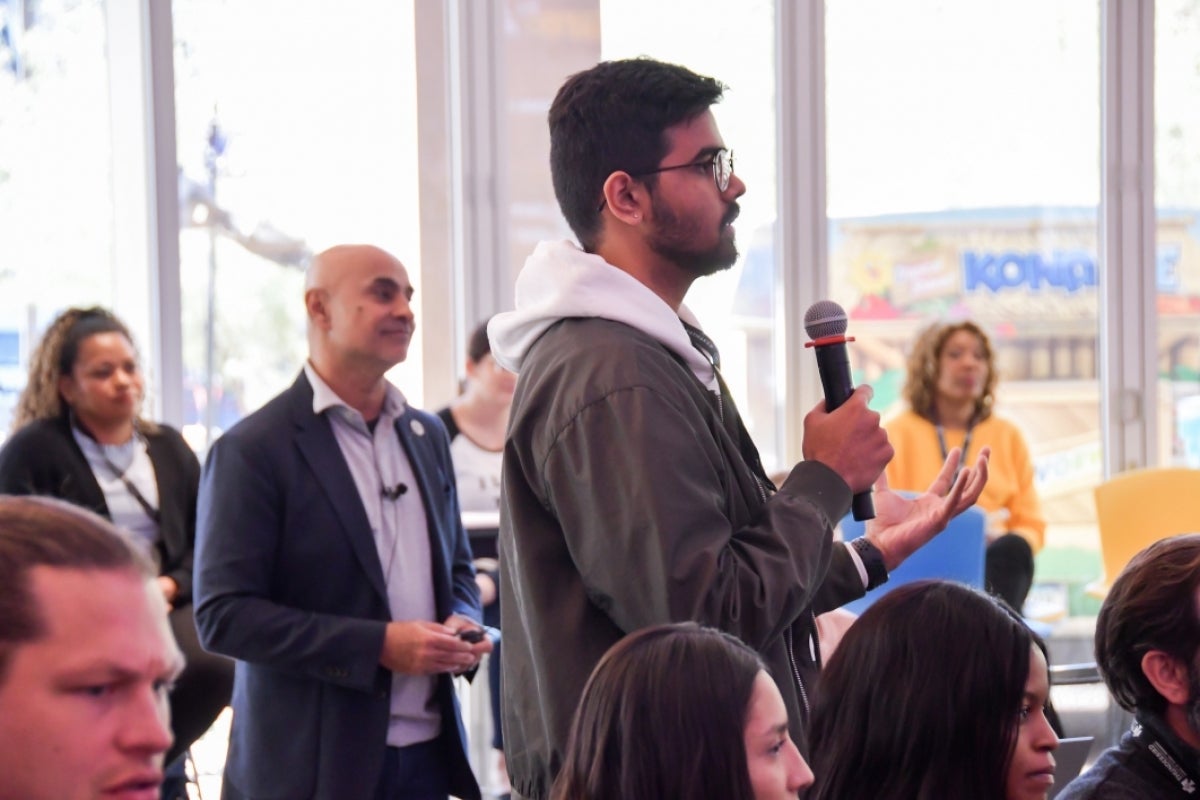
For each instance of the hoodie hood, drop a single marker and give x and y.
(559, 280)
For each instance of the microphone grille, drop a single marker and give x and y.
(824, 318)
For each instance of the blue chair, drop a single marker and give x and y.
(955, 554)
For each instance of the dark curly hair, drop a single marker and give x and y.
(55, 355)
(920, 388)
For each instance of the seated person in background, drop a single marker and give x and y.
(476, 421)
(680, 711)
(1148, 650)
(937, 692)
(950, 392)
(78, 435)
(86, 658)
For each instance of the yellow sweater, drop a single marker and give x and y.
(1010, 469)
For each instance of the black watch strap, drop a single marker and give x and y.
(872, 560)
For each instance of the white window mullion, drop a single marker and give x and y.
(1128, 321)
(801, 254)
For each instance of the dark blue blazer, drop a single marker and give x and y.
(288, 582)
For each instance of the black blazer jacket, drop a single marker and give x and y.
(43, 458)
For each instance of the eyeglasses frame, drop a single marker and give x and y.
(714, 161)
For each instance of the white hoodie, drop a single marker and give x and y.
(559, 280)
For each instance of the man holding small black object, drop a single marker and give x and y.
(632, 494)
(332, 564)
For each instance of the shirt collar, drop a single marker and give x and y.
(325, 398)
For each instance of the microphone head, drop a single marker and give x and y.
(824, 318)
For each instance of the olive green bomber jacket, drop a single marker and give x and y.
(629, 502)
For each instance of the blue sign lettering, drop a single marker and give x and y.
(1069, 270)
(1166, 269)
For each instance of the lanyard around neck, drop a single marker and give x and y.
(1146, 730)
(153, 513)
(966, 447)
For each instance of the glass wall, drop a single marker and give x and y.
(730, 40)
(56, 189)
(296, 130)
(963, 182)
(1177, 206)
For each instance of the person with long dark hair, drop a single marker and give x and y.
(476, 422)
(681, 711)
(79, 435)
(937, 691)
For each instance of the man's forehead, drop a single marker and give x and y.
(358, 265)
(694, 136)
(103, 615)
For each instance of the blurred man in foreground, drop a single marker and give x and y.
(86, 658)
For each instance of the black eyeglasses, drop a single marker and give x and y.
(722, 168)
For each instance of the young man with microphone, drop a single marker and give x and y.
(632, 494)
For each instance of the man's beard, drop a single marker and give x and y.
(672, 240)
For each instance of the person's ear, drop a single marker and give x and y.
(625, 197)
(66, 389)
(316, 302)
(1168, 675)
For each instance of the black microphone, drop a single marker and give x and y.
(393, 492)
(825, 324)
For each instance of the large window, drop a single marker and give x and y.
(296, 130)
(964, 182)
(735, 306)
(1177, 203)
(56, 190)
(731, 40)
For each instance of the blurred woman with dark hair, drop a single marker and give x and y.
(477, 421)
(680, 711)
(951, 388)
(937, 691)
(78, 435)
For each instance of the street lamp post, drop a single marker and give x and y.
(213, 151)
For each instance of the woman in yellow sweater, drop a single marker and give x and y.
(950, 391)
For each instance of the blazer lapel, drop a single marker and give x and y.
(320, 449)
(414, 436)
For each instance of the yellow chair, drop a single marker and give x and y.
(1137, 508)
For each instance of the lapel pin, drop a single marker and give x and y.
(417, 427)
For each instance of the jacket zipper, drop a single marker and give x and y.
(796, 672)
(758, 484)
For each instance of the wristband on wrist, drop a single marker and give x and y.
(872, 560)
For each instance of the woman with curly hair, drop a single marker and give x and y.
(950, 391)
(680, 711)
(78, 435)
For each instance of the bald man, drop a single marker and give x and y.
(331, 563)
